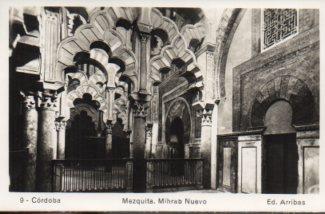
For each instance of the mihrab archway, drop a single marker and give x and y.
(280, 158)
(178, 127)
(290, 89)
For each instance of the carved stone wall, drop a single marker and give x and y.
(292, 70)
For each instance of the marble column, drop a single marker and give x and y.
(139, 142)
(60, 128)
(30, 142)
(214, 149)
(46, 147)
(148, 147)
(206, 145)
(108, 140)
(144, 59)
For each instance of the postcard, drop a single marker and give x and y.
(161, 106)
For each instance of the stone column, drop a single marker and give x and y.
(110, 92)
(144, 56)
(214, 144)
(108, 141)
(148, 148)
(139, 141)
(46, 148)
(206, 145)
(60, 128)
(30, 142)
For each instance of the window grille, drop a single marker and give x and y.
(278, 25)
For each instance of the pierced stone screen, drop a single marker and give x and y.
(278, 25)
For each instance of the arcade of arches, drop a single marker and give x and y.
(154, 86)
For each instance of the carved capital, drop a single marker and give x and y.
(47, 100)
(108, 129)
(206, 116)
(206, 119)
(128, 134)
(149, 130)
(29, 101)
(140, 108)
(60, 124)
(144, 37)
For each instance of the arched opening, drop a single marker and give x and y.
(280, 168)
(176, 145)
(83, 140)
(124, 27)
(120, 142)
(159, 39)
(78, 136)
(103, 46)
(195, 45)
(176, 139)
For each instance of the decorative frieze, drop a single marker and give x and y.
(50, 29)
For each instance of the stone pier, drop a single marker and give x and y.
(30, 142)
(46, 148)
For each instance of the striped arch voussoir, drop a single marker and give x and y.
(159, 21)
(193, 32)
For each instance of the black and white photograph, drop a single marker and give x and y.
(182, 100)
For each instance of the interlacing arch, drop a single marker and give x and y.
(177, 46)
(105, 48)
(193, 33)
(176, 50)
(92, 85)
(82, 41)
(108, 17)
(101, 28)
(159, 21)
(119, 19)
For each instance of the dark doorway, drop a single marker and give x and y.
(120, 142)
(81, 139)
(280, 171)
(176, 131)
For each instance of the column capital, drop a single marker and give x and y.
(204, 110)
(108, 129)
(60, 123)
(149, 129)
(140, 108)
(110, 88)
(128, 133)
(29, 100)
(144, 36)
(203, 105)
(47, 100)
(206, 119)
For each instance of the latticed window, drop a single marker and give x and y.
(278, 24)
